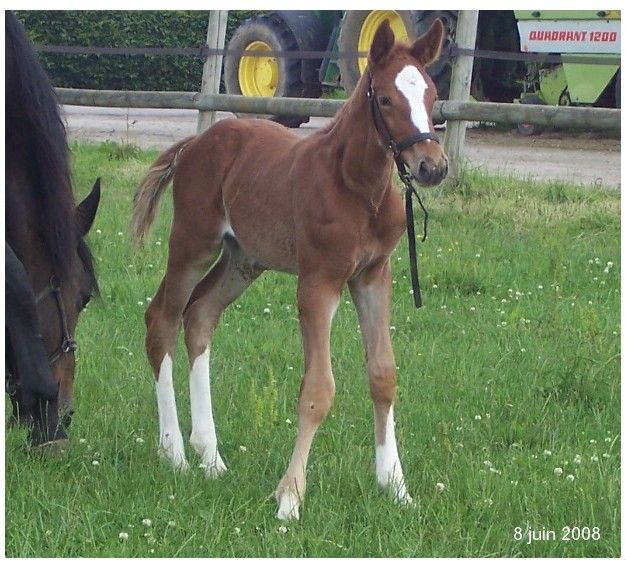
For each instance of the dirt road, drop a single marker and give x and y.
(582, 159)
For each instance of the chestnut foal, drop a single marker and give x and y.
(323, 208)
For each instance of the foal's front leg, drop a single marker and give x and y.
(317, 303)
(371, 293)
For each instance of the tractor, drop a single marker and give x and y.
(493, 80)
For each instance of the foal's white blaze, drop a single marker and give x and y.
(412, 85)
(203, 437)
(170, 437)
(388, 468)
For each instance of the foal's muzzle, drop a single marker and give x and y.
(427, 173)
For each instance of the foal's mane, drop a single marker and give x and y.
(32, 115)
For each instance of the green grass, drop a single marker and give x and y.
(515, 354)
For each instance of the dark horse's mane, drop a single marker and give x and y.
(33, 121)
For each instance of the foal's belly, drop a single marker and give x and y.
(258, 205)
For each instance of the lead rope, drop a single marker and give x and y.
(409, 190)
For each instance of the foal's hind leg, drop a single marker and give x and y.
(226, 281)
(371, 293)
(187, 262)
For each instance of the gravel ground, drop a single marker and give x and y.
(581, 159)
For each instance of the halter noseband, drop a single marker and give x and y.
(68, 344)
(407, 179)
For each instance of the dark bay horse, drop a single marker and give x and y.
(50, 275)
(323, 208)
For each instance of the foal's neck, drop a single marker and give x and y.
(366, 165)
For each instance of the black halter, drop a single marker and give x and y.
(407, 179)
(68, 344)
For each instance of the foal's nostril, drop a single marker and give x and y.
(423, 171)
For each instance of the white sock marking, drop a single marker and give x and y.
(413, 86)
(288, 506)
(170, 437)
(203, 437)
(388, 467)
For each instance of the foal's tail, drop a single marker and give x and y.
(146, 201)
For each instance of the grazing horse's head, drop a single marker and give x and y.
(59, 311)
(403, 95)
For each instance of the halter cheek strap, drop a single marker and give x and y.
(68, 344)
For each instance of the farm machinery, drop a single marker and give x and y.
(565, 32)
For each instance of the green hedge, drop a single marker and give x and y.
(123, 29)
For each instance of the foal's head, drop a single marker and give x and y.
(405, 95)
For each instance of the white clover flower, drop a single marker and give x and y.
(594, 458)
(288, 421)
(82, 441)
(237, 530)
(488, 463)
(592, 442)
(95, 463)
(243, 448)
(606, 455)
(171, 523)
(139, 440)
(477, 418)
(282, 529)
(578, 459)
(139, 303)
(266, 310)
(147, 522)
(558, 471)
(171, 497)
(123, 536)
(472, 308)
(547, 452)
(440, 487)
(570, 477)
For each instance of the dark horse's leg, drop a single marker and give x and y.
(32, 388)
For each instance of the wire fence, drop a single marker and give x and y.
(203, 52)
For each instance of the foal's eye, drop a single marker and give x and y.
(384, 101)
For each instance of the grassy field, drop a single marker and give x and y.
(509, 373)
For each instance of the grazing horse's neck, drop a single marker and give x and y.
(366, 165)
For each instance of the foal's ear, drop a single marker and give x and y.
(426, 48)
(382, 44)
(86, 210)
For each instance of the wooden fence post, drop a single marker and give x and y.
(460, 83)
(211, 72)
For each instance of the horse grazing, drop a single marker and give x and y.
(50, 275)
(323, 208)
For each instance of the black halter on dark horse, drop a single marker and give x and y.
(44, 242)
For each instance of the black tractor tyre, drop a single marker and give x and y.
(416, 23)
(273, 31)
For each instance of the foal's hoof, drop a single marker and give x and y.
(288, 506)
(404, 500)
(175, 458)
(214, 469)
(53, 448)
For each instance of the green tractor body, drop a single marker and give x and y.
(572, 32)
